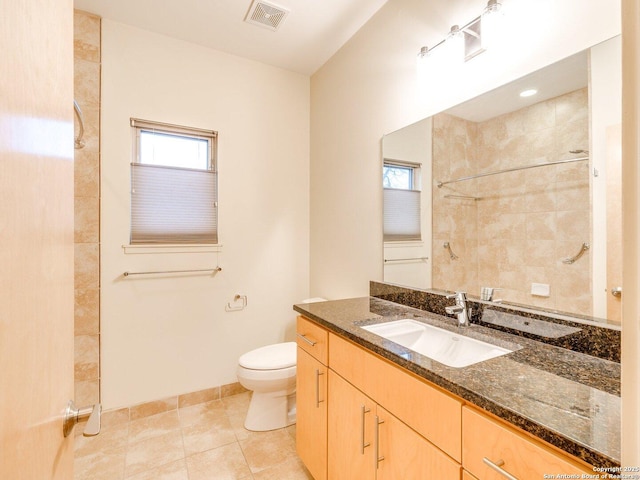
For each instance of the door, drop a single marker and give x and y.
(36, 231)
(402, 453)
(350, 431)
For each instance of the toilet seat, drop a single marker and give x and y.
(270, 357)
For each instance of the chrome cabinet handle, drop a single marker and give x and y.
(616, 291)
(363, 411)
(496, 466)
(310, 342)
(318, 401)
(73, 415)
(377, 456)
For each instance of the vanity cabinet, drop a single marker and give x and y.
(311, 397)
(368, 442)
(431, 412)
(492, 451)
(361, 416)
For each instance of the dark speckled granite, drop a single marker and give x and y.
(564, 397)
(580, 334)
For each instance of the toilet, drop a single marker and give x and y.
(270, 372)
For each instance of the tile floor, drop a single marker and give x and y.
(204, 441)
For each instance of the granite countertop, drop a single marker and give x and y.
(567, 398)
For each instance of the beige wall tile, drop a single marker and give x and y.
(87, 220)
(87, 392)
(86, 36)
(232, 389)
(87, 357)
(87, 264)
(87, 84)
(86, 173)
(91, 122)
(523, 217)
(87, 207)
(201, 396)
(111, 418)
(87, 311)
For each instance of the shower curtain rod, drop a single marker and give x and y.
(546, 164)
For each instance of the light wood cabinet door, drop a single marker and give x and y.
(467, 476)
(402, 453)
(430, 412)
(311, 405)
(351, 431)
(486, 441)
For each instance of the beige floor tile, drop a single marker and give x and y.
(110, 438)
(236, 407)
(155, 452)
(237, 403)
(291, 430)
(223, 463)
(153, 426)
(267, 449)
(171, 471)
(201, 413)
(213, 432)
(106, 464)
(292, 469)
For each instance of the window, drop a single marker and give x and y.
(401, 183)
(174, 185)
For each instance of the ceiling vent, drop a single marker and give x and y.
(266, 15)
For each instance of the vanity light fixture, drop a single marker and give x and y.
(469, 37)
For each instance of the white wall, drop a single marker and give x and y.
(169, 335)
(369, 88)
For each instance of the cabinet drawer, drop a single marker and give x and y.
(512, 451)
(312, 338)
(430, 412)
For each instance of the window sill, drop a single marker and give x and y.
(400, 244)
(194, 248)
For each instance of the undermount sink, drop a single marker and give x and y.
(437, 343)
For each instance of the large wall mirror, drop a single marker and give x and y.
(516, 193)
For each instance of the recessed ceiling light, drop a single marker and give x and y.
(528, 93)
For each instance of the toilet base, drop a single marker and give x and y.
(268, 411)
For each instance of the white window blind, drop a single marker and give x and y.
(401, 215)
(174, 191)
(173, 205)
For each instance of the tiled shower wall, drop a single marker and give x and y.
(87, 210)
(517, 227)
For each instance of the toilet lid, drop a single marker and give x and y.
(271, 357)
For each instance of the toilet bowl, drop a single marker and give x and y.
(270, 372)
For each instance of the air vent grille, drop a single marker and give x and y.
(266, 15)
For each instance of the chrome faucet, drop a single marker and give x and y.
(460, 308)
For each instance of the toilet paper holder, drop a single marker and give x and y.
(235, 307)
